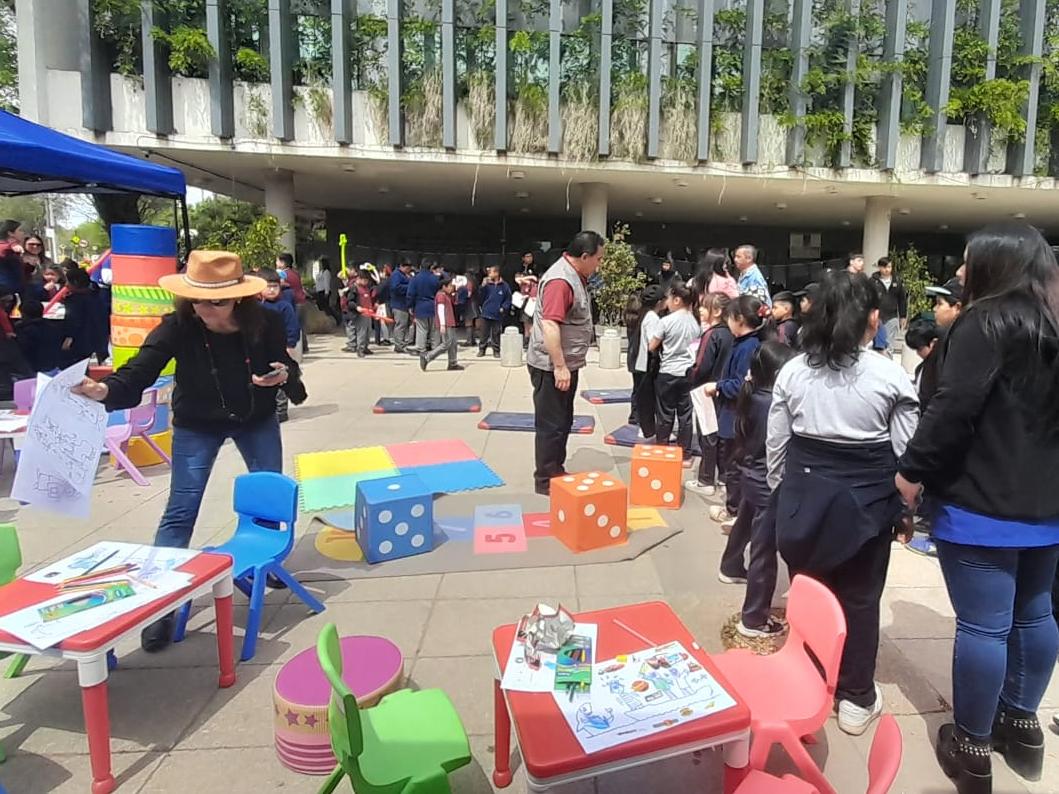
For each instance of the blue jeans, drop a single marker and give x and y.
(1006, 638)
(194, 452)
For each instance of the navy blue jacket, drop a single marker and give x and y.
(399, 290)
(285, 309)
(421, 291)
(495, 298)
(731, 382)
(714, 347)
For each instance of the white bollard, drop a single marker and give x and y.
(511, 347)
(610, 349)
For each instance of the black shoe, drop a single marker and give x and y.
(369, 352)
(965, 759)
(361, 354)
(423, 362)
(543, 490)
(496, 354)
(481, 352)
(634, 421)
(1017, 735)
(281, 418)
(158, 635)
(386, 342)
(349, 349)
(275, 582)
(455, 367)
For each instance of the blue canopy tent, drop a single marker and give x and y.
(37, 159)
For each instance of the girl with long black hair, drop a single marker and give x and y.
(715, 344)
(840, 417)
(645, 370)
(756, 506)
(986, 452)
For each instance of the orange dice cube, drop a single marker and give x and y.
(656, 476)
(589, 510)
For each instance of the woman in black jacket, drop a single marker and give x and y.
(231, 357)
(987, 453)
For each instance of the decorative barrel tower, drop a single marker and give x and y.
(140, 255)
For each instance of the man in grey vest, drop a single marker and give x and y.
(558, 346)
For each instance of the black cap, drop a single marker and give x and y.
(652, 294)
(786, 296)
(809, 291)
(951, 291)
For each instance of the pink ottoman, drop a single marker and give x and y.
(373, 667)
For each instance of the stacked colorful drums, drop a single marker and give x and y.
(372, 667)
(140, 255)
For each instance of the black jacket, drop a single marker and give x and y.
(210, 368)
(714, 347)
(893, 302)
(39, 340)
(981, 444)
(787, 331)
(752, 446)
(930, 371)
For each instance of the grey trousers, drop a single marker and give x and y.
(361, 332)
(893, 328)
(426, 334)
(400, 330)
(448, 345)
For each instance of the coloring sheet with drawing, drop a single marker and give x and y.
(150, 561)
(64, 441)
(55, 619)
(521, 677)
(641, 694)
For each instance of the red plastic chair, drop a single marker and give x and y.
(883, 765)
(787, 694)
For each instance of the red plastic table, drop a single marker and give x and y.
(550, 750)
(210, 572)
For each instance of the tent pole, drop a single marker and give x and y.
(187, 225)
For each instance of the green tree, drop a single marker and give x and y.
(911, 267)
(618, 275)
(209, 217)
(8, 57)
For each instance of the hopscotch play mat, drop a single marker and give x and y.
(329, 550)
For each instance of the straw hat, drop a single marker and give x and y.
(212, 275)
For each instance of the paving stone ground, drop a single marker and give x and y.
(173, 730)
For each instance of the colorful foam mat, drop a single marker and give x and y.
(516, 420)
(428, 405)
(605, 396)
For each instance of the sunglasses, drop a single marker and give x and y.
(198, 302)
(34, 245)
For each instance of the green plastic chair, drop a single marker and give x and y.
(407, 744)
(10, 560)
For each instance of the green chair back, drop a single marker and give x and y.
(10, 553)
(329, 653)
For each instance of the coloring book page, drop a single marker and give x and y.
(64, 441)
(150, 561)
(642, 694)
(521, 677)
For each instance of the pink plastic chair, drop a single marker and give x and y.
(25, 392)
(787, 695)
(139, 420)
(883, 765)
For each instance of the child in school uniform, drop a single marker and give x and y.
(745, 318)
(38, 338)
(446, 316)
(633, 314)
(361, 303)
(273, 299)
(714, 347)
(495, 298)
(783, 317)
(645, 368)
(673, 338)
(756, 505)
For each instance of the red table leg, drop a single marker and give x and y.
(92, 675)
(501, 739)
(222, 601)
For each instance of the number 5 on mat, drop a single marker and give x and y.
(499, 540)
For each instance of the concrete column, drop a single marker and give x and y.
(32, 25)
(876, 229)
(594, 207)
(279, 201)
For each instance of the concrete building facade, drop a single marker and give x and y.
(484, 128)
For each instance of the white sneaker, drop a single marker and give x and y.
(854, 719)
(726, 579)
(720, 514)
(772, 628)
(704, 490)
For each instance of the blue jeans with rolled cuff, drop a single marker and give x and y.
(194, 452)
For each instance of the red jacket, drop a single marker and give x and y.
(295, 283)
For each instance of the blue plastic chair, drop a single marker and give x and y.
(267, 505)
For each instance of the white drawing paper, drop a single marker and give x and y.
(28, 625)
(152, 561)
(10, 422)
(520, 677)
(642, 694)
(64, 440)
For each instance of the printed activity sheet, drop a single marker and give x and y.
(641, 694)
(64, 440)
(519, 676)
(151, 561)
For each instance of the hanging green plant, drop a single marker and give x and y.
(579, 90)
(679, 127)
(251, 66)
(529, 71)
(628, 118)
(190, 51)
(476, 67)
(117, 23)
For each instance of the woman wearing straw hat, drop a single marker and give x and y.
(231, 357)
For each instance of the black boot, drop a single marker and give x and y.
(158, 635)
(965, 759)
(1017, 735)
